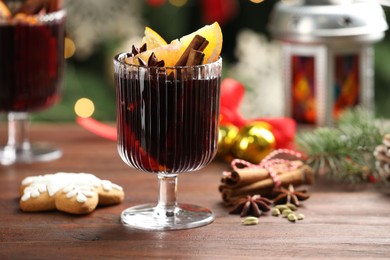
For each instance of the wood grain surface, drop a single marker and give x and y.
(338, 223)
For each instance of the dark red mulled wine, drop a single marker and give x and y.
(31, 65)
(167, 125)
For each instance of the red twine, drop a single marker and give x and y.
(271, 164)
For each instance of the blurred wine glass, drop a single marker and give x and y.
(31, 76)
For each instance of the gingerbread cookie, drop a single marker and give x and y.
(76, 193)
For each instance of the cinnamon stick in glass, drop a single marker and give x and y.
(195, 58)
(198, 43)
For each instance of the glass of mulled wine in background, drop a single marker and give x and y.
(167, 121)
(31, 75)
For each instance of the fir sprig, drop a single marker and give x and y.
(344, 153)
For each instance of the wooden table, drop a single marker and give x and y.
(337, 224)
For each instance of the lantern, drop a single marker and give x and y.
(327, 55)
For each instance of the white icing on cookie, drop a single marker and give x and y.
(81, 185)
(80, 190)
(107, 186)
(35, 189)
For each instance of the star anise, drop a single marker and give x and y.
(135, 50)
(289, 195)
(152, 61)
(252, 206)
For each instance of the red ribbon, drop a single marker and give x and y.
(232, 93)
(98, 128)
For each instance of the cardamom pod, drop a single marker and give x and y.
(250, 221)
(286, 212)
(275, 212)
(291, 206)
(291, 217)
(300, 216)
(281, 207)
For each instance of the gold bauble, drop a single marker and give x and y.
(253, 142)
(226, 138)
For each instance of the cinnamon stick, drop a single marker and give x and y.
(195, 58)
(54, 5)
(32, 6)
(197, 43)
(203, 45)
(242, 177)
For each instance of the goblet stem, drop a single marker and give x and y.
(167, 199)
(19, 148)
(18, 131)
(168, 214)
(17, 137)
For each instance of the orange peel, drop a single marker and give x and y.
(171, 52)
(152, 39)
(213, 35)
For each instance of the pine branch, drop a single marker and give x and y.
(343, 153)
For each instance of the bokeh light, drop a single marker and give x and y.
(70, 48)
(178, 3)
(256, 1)
(84, 107)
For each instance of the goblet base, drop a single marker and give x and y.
(151, 217)
(37, 152)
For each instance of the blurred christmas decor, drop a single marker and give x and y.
(259, 67)
(328, 62)
(226, 138)
(219, 10)
(91, 23)
(382, 156)
(254, 141)
(344, 153)
(249, 139)
(84, 109)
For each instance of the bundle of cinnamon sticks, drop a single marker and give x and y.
(250, 181)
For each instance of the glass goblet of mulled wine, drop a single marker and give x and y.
(167, 121)
(31, 73)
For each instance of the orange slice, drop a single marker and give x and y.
(213, 34)
(152, 39)
(169, 53)
(4, 11)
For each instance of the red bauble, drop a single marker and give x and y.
(155, 3)
(219, 10)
